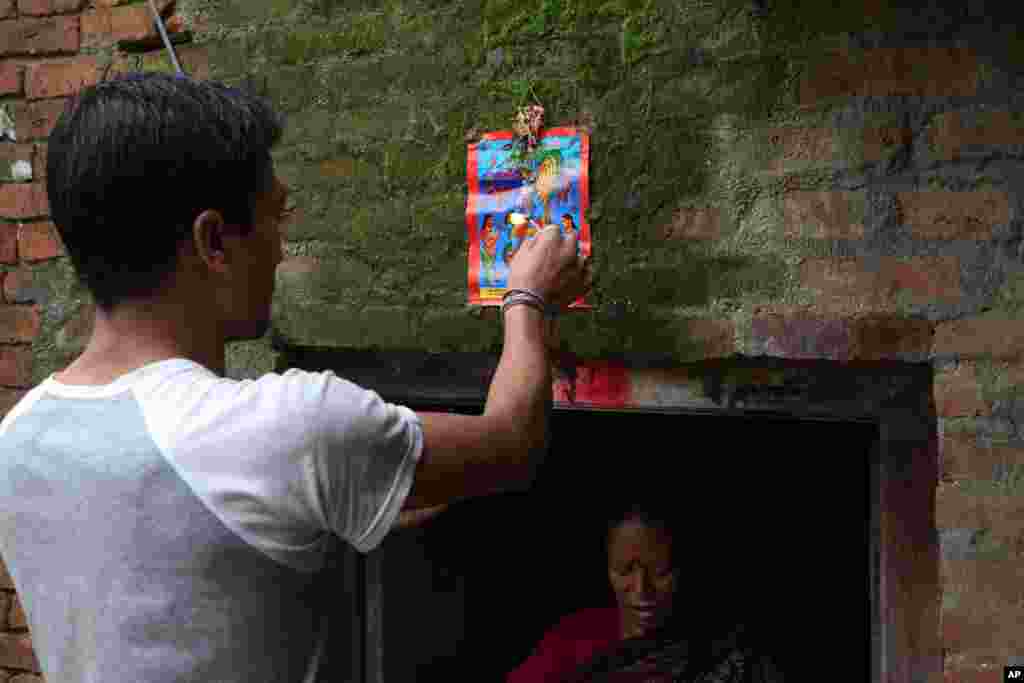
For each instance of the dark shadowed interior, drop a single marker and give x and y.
(777, 531)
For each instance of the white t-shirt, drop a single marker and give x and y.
(168, 526)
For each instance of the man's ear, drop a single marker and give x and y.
(208, 240)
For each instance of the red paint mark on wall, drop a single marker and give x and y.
(603, 384)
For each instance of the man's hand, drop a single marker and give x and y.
(549, 265)
(408, 519)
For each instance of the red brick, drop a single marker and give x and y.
(824, 215)
(879, 336)
(35, 120)
(17, 618)
(39, 242)
(51, 36)
(18, 323)
(57, 79)
(924, 71)
(701, 224)
(47, 7)
(8, 242)
(949, 137)
(16, 652)
(6, 582)
(989, 337)
(923, 279)
(11, 78)
(957, 392)
(23, 200)
(107, 26)
(6, 9)
(793, 149)
(965, 457)
(879, 140)
(15, 366)
(954, 215)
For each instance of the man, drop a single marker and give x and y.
(162, 522)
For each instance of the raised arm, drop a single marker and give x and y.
(475, 455)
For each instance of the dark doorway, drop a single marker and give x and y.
(779, 532)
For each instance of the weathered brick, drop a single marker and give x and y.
(11, 154)
(954, 215)
(47, 7)
(26, 678)
(987, 337)
(39, 162)
(878, 336)
(881, 72)
(60, 78)
(8, 242)
(793, 149)
(55, 35)
(801, 336)
(921, 279)
(16, 652)
(105, 26)
(18, 286)
(9, 398)
(17, 617)
(194, 60)
(18, 323)
(11, 78)
(23, 200)
(15, 365)
(824, 215)
(39, 242)
(924, 279)
(687, 223)
(666, 387)
(957, 392)
(34, 120)
(880, 140)
(964, 456)
(951, 139)
(714, 338)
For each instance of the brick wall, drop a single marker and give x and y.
(834, 183)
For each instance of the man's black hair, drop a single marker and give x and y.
(131, 163)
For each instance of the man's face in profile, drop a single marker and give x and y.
(253, 283)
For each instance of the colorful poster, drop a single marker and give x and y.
(513, 193)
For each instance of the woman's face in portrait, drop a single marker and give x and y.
(641, 574)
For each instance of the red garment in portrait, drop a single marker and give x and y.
(572, 642)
